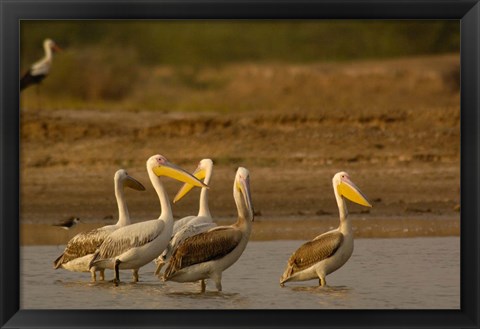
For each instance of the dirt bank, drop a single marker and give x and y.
(393, 125)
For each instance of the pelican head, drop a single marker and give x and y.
(123, 177)
(346, 188)
(160, 166)
(204, 166)
(49, 43)
(241, 192)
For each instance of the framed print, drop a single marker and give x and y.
(348, 131)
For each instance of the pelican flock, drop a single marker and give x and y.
(80, 249)
(190, 225)
(194, 248)
(40, 69)
(133, 246)
(208, 254)
(331, 250)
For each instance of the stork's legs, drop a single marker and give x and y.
(135, 275)
(116, 279)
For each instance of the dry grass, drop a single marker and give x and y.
(323, 88)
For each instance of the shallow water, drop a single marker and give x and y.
(413, 273)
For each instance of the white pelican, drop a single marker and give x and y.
(191, 225)
(133, 246)
(68, 223)
(40, 69)
(208, 254)
(328, 251)
(81, 248)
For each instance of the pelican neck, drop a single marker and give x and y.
(123, 215)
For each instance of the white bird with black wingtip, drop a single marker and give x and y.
(68, 223)
(40, 69)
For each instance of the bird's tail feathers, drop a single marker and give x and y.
(287, 274)
(57, 263)
(174, 264)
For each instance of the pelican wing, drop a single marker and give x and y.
(178, 239)
(82, 244)
(128, 237)
(204, 247)
(312, 252)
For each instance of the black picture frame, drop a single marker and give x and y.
(466, 11)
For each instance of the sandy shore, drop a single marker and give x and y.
(286, 229)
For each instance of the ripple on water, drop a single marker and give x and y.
(415, 273)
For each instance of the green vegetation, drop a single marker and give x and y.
(116, 61)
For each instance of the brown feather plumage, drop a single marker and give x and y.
(82, 244)
(203, 247)
(314, 251)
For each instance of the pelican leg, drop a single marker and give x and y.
(203, 285)
(217, 278)
(135, 275)
(322, 282)
(321, 279)
(116, 279)
(94, 275)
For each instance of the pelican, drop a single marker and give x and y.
(328, 251)
(68, 223)
(208, 254)
(191, 225)
(133, 246)
(40, 69)
(81, 248)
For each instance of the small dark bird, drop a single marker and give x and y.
(40, 69)
(68, 223)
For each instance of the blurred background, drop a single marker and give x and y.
(150, 65)
(293, 101)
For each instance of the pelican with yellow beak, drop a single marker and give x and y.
(191, 225)
(208, 254)
(133, 246)
(331, 250)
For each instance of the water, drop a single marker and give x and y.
(413, 273)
